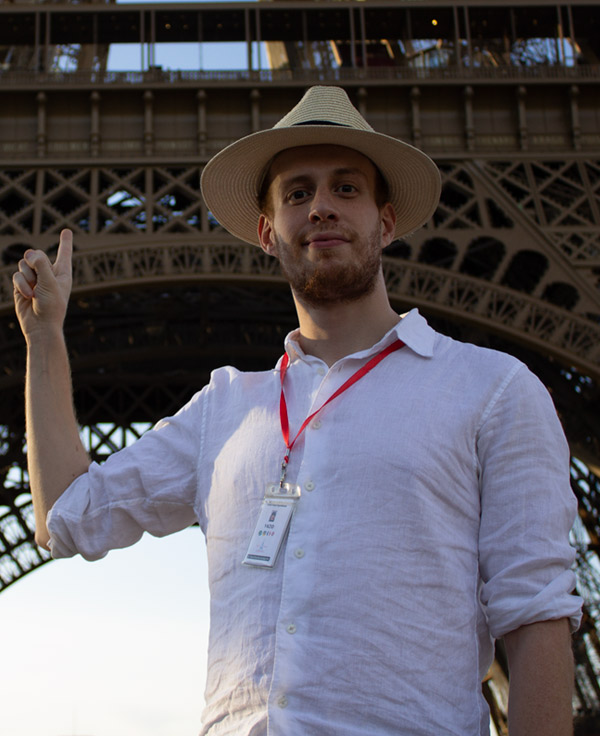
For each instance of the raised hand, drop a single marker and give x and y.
(55, 454)
(42, 288)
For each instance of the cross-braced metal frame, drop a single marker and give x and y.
(506, 105)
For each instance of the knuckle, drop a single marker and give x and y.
(34, 255)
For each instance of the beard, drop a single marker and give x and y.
(328, 280)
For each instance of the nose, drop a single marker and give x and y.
(323, 207)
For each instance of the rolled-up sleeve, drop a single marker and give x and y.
(527, 509)
(150, 486)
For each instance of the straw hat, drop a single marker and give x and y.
(231, 180)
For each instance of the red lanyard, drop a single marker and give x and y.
(283, 414)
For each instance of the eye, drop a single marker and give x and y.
(346, 189)
(297, 195)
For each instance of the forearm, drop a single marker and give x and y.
(55, 453)
(541, 680)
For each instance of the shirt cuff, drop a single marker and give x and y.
(553, 602)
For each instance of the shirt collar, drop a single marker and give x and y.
(412, 329)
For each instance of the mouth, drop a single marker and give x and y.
(325, 240)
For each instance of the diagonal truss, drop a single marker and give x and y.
(520, 240)
(162, 294)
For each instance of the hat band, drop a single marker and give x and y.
(320, 122)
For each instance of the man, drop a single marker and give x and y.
(377, 508)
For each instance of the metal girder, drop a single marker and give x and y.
(513, 246)
(510, 260)
(572, 339)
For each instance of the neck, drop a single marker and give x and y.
(334, 331)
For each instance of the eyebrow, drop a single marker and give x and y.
(341, 171)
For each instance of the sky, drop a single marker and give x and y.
(109, 648)
(115, 647)
(220, 55)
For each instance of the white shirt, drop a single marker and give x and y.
(434, 515)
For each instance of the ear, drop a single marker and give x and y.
(388, 224)
(265, 235)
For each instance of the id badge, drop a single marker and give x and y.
(273, 522)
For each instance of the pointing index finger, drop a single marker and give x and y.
(65, 252)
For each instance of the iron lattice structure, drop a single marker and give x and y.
(504, 97)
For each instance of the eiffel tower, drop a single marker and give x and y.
(506, 99)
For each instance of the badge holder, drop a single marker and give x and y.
(274, 519)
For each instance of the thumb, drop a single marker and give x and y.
(62, 265)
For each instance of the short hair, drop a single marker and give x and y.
(382, 189)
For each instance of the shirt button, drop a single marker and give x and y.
(316, 424)
(282, 701)
(321, 370)
(291, 628)
(299, 553)
(309, 485)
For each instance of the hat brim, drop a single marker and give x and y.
(232, 179)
